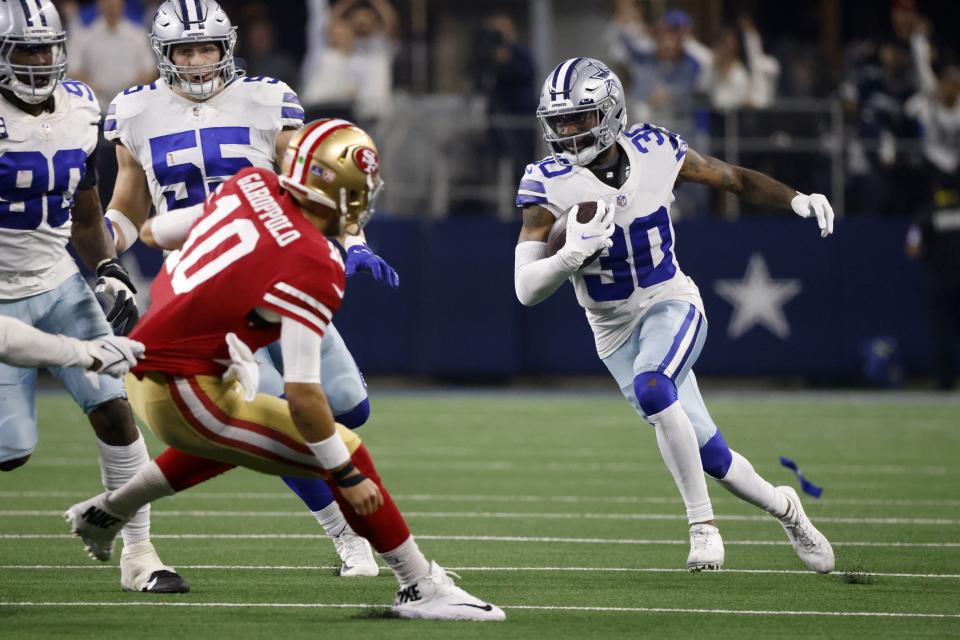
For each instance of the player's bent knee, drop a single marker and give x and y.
(10, 465)
(715, 456)
(655, 392)
(357, 416)
(113, 422)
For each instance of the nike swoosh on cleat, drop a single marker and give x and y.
(486, 607)
(151, 584)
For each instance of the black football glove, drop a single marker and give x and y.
(115, 290)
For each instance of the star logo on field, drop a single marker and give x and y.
(758, 299)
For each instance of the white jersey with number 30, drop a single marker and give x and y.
(188, 148)
(640, 269)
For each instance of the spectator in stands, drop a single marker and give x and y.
(666, 72)
(935, 239)
(112, 53)
(879, 82)
(502, 70)
(935, 108)
(258, 47)
(349, 61)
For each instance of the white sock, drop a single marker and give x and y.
(745, 483)
(136, 494)
(407, 562)
(117, 465)
(678, 446)
(332, 520)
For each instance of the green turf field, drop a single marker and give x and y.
(556, 507)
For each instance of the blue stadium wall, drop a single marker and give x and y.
(456, 315)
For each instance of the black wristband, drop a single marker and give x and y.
(344, 472)
(352, 480)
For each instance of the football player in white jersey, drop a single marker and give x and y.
(48, 196)
(647, 316)
(177, 140)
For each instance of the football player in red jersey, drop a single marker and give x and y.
(254, 265)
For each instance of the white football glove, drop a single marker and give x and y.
(814, 204)
(243, 367)
(112, 356)
(584, 240)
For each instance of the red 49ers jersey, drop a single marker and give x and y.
(251, 248)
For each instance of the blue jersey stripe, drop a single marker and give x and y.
(532, 185)
(526, 201)
(295, 113)
(110, 124)
(291, 98)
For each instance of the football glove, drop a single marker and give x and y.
(243, 367)
(115, 290)
(814, 204)
(361, 258)
(114, 355)
(587, 238)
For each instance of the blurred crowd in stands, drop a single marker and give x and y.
(886, 106)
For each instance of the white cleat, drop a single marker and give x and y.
(436, 597)
(706, 548)
(96, 525)
(142, 571)
(811, 545)
(356, 554)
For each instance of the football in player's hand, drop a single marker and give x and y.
(558, 232)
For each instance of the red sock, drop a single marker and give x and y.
(385, 528)
(183, 470)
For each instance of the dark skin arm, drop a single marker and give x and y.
(752, 186)
(89, 233)
(536, 224)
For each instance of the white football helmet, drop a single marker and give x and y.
(194, 21)
(31, 26)
(585, 93)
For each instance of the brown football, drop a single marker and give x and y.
(558, 232)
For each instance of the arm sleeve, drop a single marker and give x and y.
(24, 346)
(172, 228)
(301, 352)
(535, 276)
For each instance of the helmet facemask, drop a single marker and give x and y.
(201, 81)
(33, 83)
(592, 134)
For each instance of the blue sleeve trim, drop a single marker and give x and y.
(526, 201)
(532, 185)
(295, 113)
(291, 98)
(110, 124)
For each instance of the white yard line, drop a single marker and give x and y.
(195, 567)
(326, 605)
(510, 515)
(447, 538)
(456, 497)
(409, 463)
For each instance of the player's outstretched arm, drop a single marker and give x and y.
(170, 230)
(130, 203)
(756, 188)
(22, 345)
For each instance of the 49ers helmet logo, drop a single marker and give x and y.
(366, 160)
